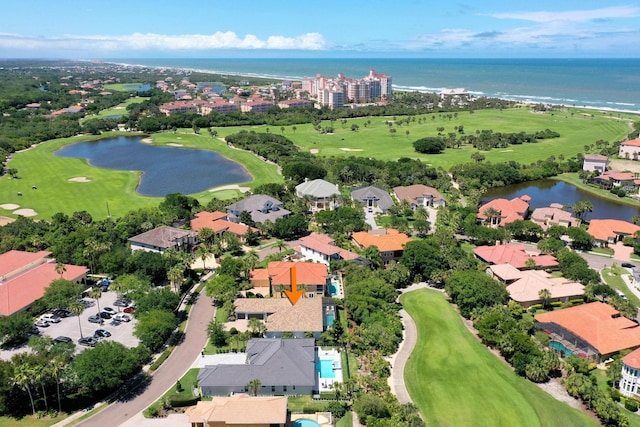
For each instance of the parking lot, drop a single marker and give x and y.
(69, 327)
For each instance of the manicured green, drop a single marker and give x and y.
(122, 87)
(118, 110)
(304, 403)
(117, 189)
(613, 277)
(346, 421)
(455, 380)
(376, 141)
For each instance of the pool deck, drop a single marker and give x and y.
(325, 384)
(322, 418)
(337, 282)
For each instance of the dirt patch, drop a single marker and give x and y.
(80, 179)
(173, 144)
(314, 151)
(9, 206)
(25, 212)
(351, 149)
(624, 165)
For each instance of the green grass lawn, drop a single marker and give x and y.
(376, 141)
(30, 421)
(118, 110)
(117, 189)
(456, 381)
(122, 87)
(613, 277)
(346, 421)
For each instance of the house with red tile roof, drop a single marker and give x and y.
(389, 242)
(515, 254)
(239, 410)
(24, 277)
(595, 330)
(217, 222)
(322, 248)
(629, 149)
(554, 215)
(524, 287)
(610, 231)
(617, 179)
(499, 212)
(277, 276)
(419, 195)
(630, 374)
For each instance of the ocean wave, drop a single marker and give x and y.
(403, 88)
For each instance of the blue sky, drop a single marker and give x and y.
(310, 28)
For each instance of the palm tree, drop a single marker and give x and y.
(253, 385)
(250, 260)
(22, 374)
(256, 327)
(60, 268)
(96, 293)
(492, 215)
(530, 263)
(58, 366)
(40, 375)
(76, 307)
(203, 251)
(545, 295)
(176, 276)
(280, 244)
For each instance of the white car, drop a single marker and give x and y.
(122, 317)
(50, 317)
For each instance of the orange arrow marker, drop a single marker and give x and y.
(294, 294)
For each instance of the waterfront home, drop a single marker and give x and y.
(517, 255)
(321, 248)
(630, 374)
(595, 162)
(499, 212)
(283, 367)
(218, 223)
(162, 238)
(629, 149)
(321, 194)
(389, 242)
(261, 208)
(277, 277)
(24, 277)
(616, 179)
(304, 317)
(239, 410)
(419, 195)
(610, 231)
(376, 199)
(595, 330)
(554, 215)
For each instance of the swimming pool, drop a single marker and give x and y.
(333, 289)
(305, 422)
(329, 318)
(325, 367)
(560, 348)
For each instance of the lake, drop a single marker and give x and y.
(164, 170)
(546, 191)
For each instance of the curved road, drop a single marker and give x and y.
(166, 376)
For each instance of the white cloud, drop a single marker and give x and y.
(572, 15)
(151, 41)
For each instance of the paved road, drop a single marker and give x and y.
(166, 376)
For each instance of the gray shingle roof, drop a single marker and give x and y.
(317, 188)
(373, 193)
(260, 206)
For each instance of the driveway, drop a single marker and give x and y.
(124, 411)
(369, 218)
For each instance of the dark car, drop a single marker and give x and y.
(101, 333)
(87, 341)
(627, 265)
(62, 312)
(104, 315)
(61, 338)
(95, 319)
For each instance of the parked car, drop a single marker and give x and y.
(104, 315)
(61, 338)
(62, 312)
(41, 323)
(35, 330)
(50, 317)
(129, 310)
(122, 302)
(86, 303)
(122, 317)
(87, 341)
(95, 319)
(115, 323)
(109, 310)
(101, 333)
(627, 265)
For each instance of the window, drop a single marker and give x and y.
(284, 388)
(273, 388)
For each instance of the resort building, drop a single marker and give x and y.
(499, 212)
(375, 198)
(295, 103)
(595, 162)
(239, 410)
(525, 287)
(261, 208)
(610, 231)
(24, 277)
(170, 108)
(321, 248)
(419, 195)
(389, 242)
(554, 215)
(283, 367)
(630, 374)
(629, 149)
(277, 278)
(517, 255)
(595, 330)
(321, 194)
(162, 238)
(218, 105)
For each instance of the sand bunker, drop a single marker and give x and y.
(231, 187)
(352, 149)
(9, 206)
(173, 144)
(4, 220)
(25, 212)
(147, 140)
(506, 151)
(314, 151)
(80, 179)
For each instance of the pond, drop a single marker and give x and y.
(546, 191)
(164, 170)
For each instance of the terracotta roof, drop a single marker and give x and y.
(596, 324)
(527, 288)
(632, 142)
(393, 240)
(617, 176)
(324, 244)
(632, 359)
(553, 216)
(412, 192)
(240, 409)
(510, 210)
(204, 219)
(598, 157)
(605, 229)
(514, 254)
(305, 315)
(14, 261)
(307, 273)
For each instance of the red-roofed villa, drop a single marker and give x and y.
(499, 212)
(630, 374)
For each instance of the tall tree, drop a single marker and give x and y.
(254, 386)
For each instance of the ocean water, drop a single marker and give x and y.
(593, 83)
